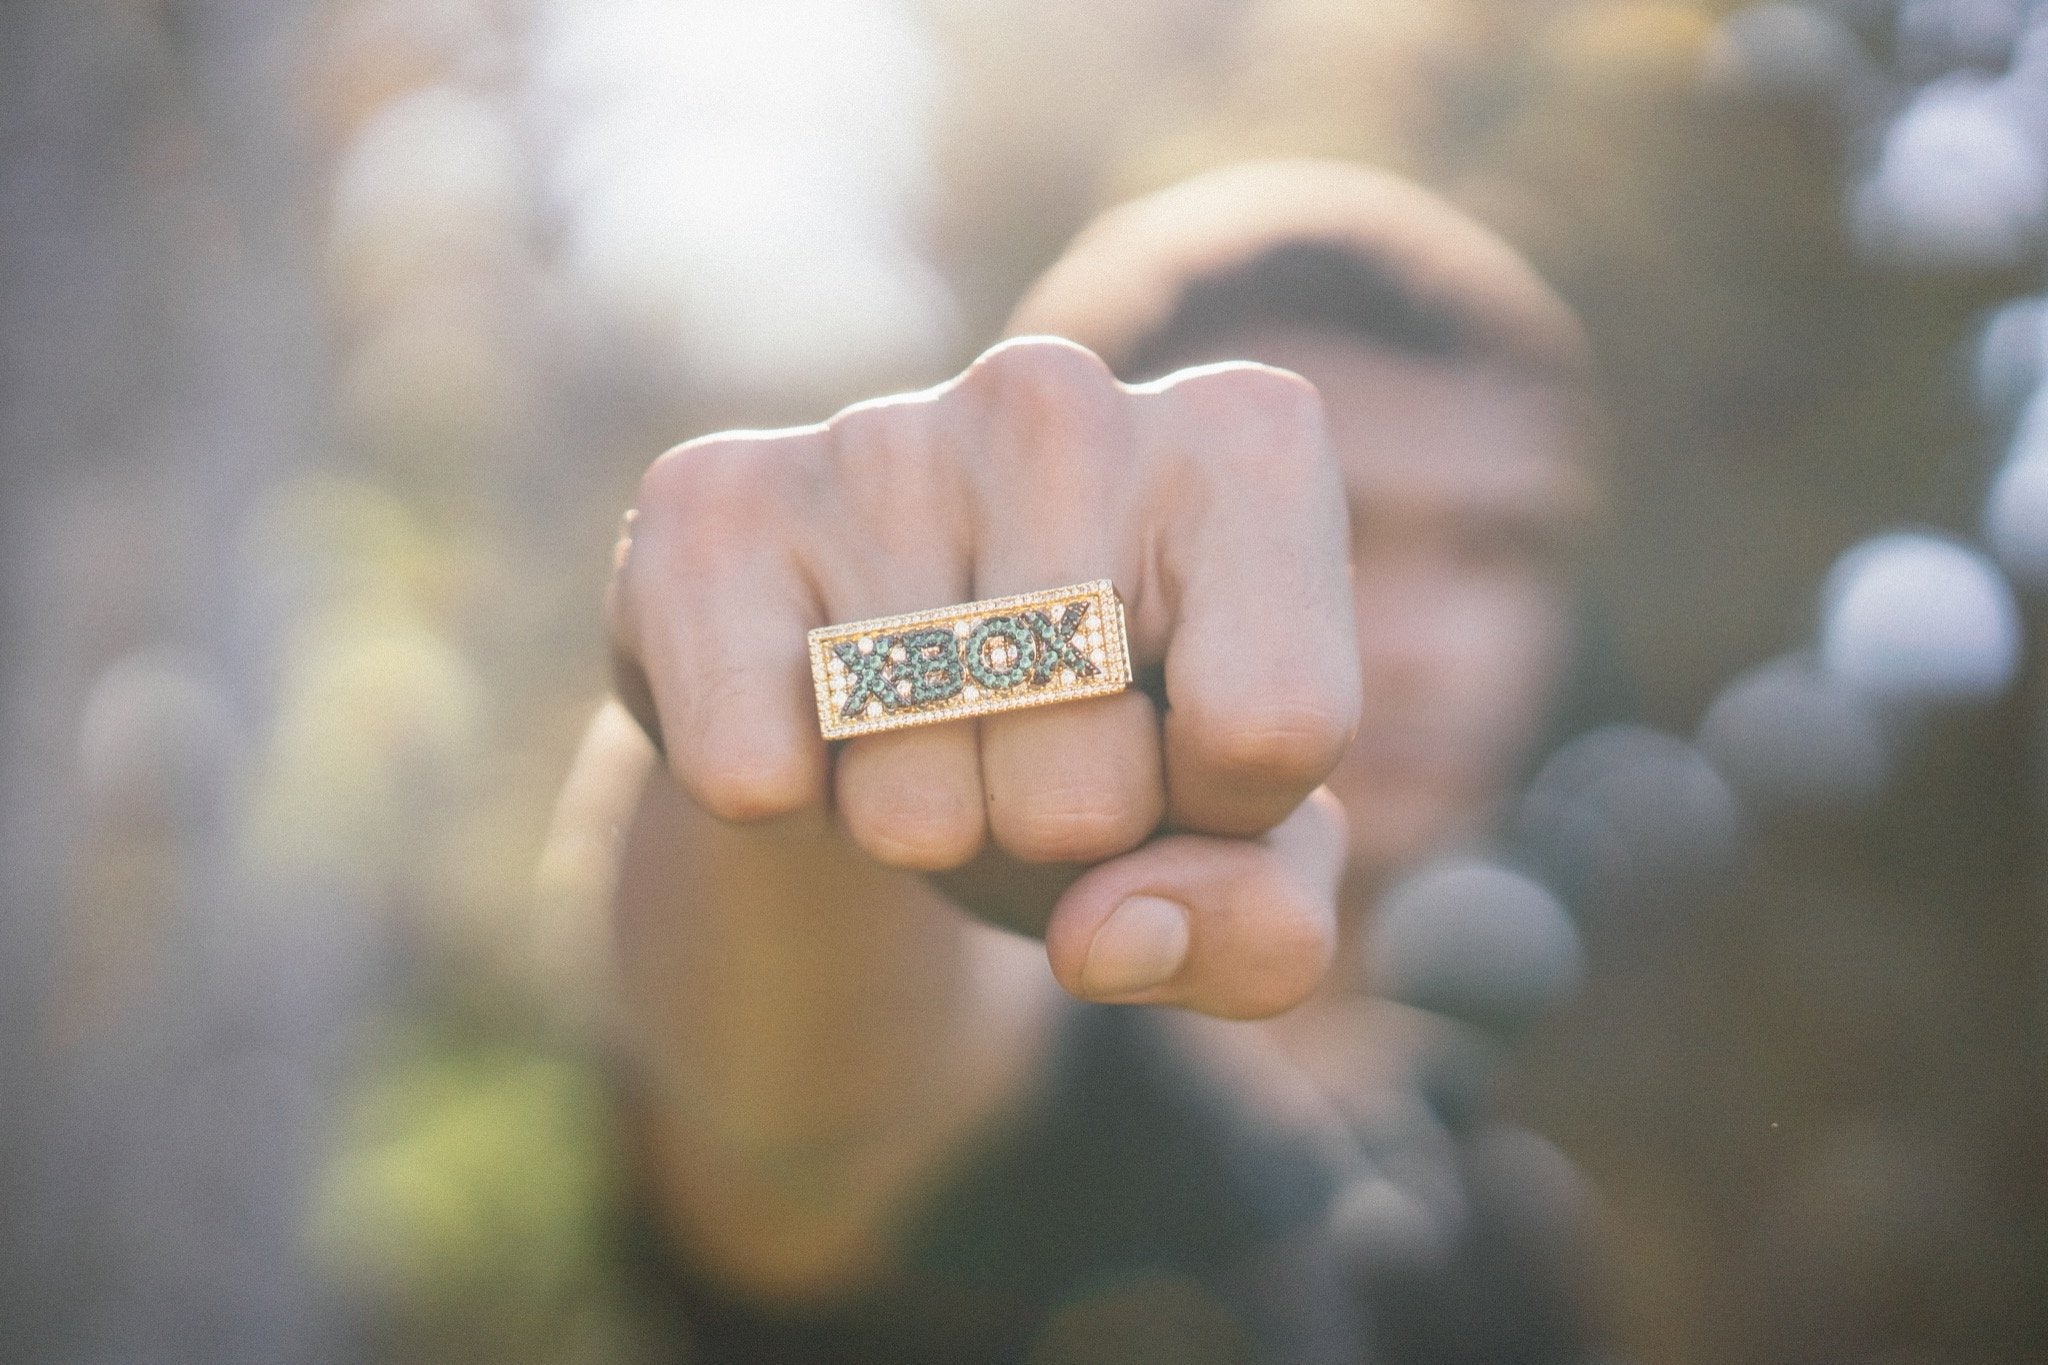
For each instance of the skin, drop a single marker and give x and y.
(1470, 499)
(1471, 496)
(816, 1026)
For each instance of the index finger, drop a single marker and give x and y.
(707, 613)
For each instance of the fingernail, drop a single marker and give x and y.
(1140, 945)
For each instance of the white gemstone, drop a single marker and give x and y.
(865, 644)
(1097, 657)
(963, 629)
(1067, 677)
(971, 692)
(899, 654)
(903, 690)
(874, 710)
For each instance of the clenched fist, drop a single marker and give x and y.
(1164, 840)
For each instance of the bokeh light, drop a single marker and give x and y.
(2011, 349)
(1913, 619)
(1956, 184)
(1478, 942)
(1801, 54)
(752, 176)
(1789, 737)
(2016, 518)
(1631, 823)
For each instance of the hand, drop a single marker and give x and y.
(1167, 857)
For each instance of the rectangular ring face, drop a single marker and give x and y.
(971, 660)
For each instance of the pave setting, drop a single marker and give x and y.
(971, 660)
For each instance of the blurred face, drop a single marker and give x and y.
(1469, 495)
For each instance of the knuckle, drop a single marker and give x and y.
(743, 781)
(1282, 394)
(748, 798)
(924, 827)
(1283, 963)
(1042, 365)
(683, 501)
(733, 481)
(1246, 388)
(1047, 414)
(1278, 743)
(1066, 826)
(1253, 412)
(1052, 394)
(887, 444)
(882, 423)
(1269, 387)
(683, 475)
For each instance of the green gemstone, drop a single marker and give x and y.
(1056, 643)
(869, 674)
(934, 666)
(1023, 649)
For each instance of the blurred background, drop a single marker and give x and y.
(334, 335)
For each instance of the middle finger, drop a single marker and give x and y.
(1080, 781)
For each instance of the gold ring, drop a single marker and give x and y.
(971, 660)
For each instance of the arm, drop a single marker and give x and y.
(821, 1028)
(814, 1033)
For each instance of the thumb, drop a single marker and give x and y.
(1238, 928)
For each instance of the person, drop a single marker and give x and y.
(1333, 444)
